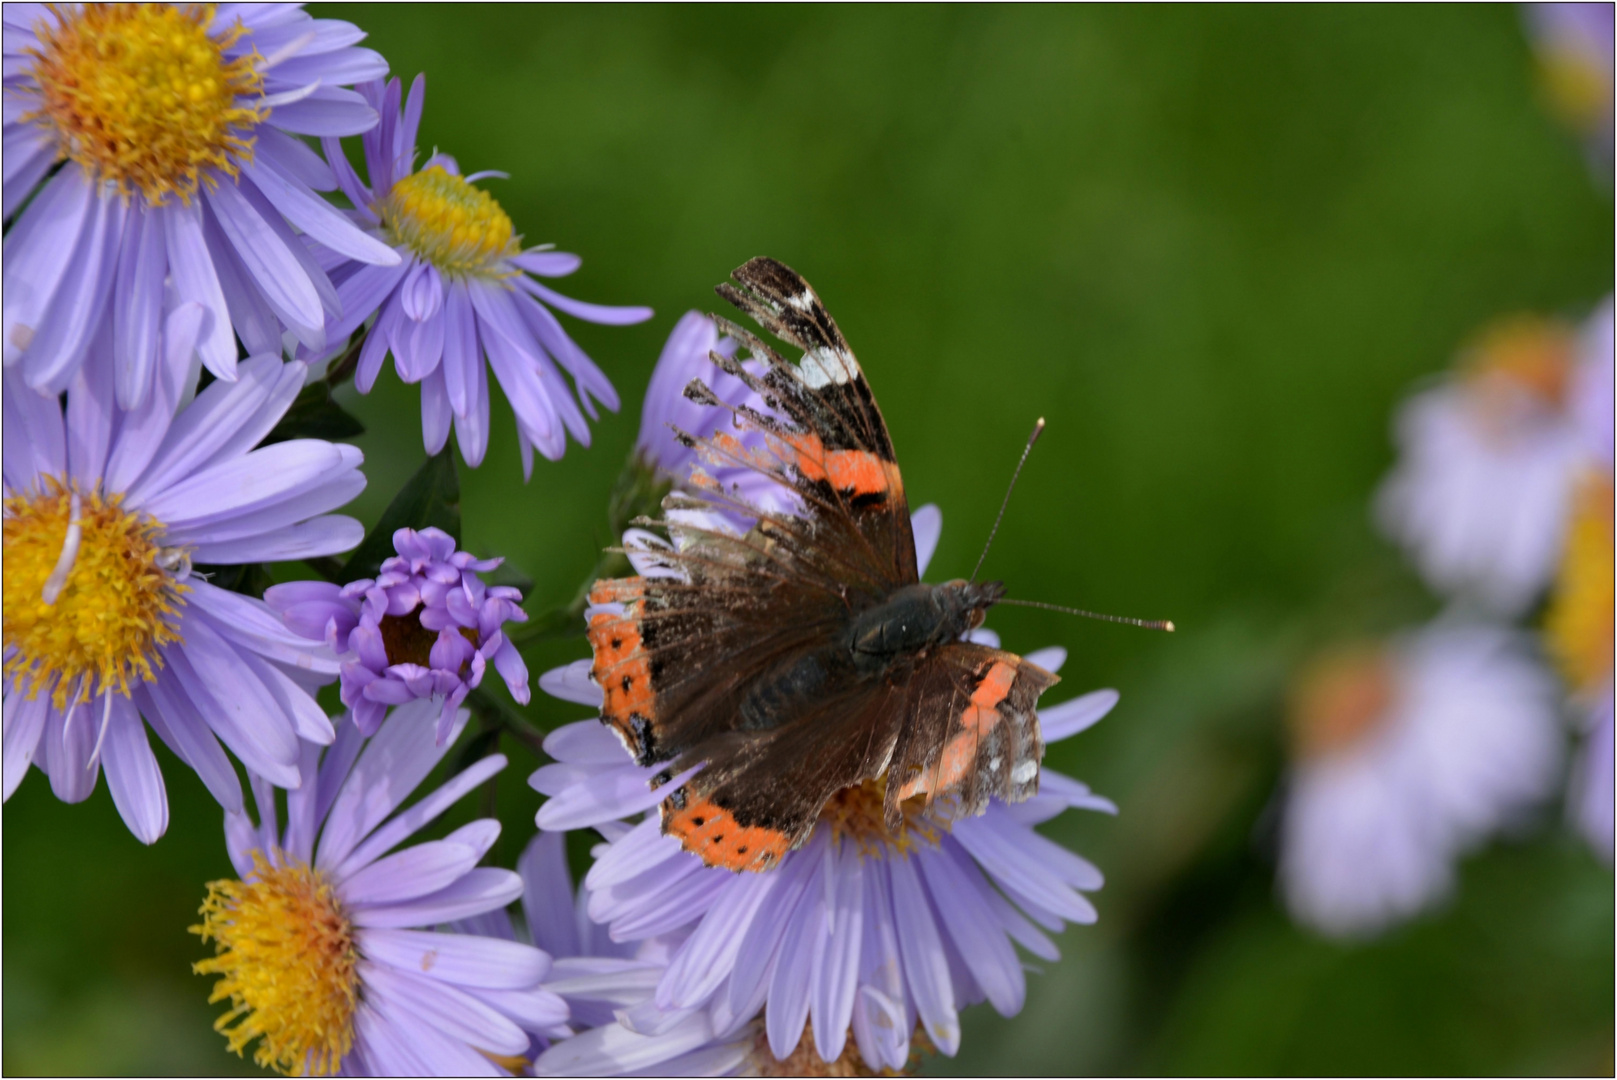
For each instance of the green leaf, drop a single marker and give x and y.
(314, 415)
(430, 498)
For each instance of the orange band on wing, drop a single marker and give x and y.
(983, 712)
(617, 590)
(856, 471)
(621, 668)
(711, 833)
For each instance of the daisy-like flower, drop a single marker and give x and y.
(461, 293)
(862, 929)
(178, 126)
(667, 411)
(598, 977)
(428, 627)
(1574, 47)
(1405, 755)
(105, 624)
(1488, 458)
(325, 947)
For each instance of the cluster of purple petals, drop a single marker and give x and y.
(442, 328)
(431, 583)
(81, 255)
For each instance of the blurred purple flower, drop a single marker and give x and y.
(352, 975)
(858, 929)
(201, 192)
(104, 511)
(461, 293)
(1574, 47)
(426, 627)
(1488, 458)
(1406, 756)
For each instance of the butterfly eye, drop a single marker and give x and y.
(976, 618)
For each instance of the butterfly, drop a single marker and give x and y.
(805, 656)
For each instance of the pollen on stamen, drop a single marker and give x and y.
(458, 228)
(287, 964)
(82, 622)
(142, 95)
(857, 813)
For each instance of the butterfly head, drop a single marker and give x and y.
(965, 603)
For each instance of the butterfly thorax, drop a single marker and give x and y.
(882, 640)
(915, 619)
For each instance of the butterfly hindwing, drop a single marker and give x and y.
(970, 730)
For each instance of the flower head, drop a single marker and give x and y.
(1574, 47)
(105, 622)
(324, 946)
(460, 294)
(1487, 461)
(1406, 755)
(426, 627)
(863, 930)
(183, 173)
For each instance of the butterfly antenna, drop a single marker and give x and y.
(1038, 429)
(1145, 624)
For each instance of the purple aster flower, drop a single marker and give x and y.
(461, 293)
(1407, 755)
(427, 627)
(325, 947)
(862, 929)
(105, 624)
(667, 411)
(1488, 458)
(201, 189)
(1574, 47)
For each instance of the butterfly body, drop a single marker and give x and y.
(805, 656)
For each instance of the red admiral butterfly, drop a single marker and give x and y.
(807, 656)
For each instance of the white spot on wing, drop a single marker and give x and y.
(993, 763)
(803, 301)
(1024, 771)
(824, 366)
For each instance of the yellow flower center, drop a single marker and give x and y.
(286, 960)
(856, 812)
(139, 94)
(454, 226)
(1521, 355)
(1340, 700)
(88, 600)
(1577, 88)
(1579, 622)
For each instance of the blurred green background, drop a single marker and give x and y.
(1213, 247)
